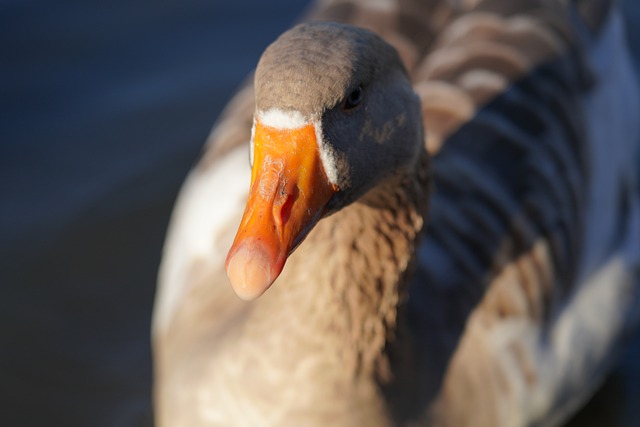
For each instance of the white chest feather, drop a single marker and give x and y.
(205, 218)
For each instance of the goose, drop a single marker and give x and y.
(419, 214)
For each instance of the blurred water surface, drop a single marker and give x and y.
(104, 106)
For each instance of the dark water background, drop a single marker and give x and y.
(104, 106)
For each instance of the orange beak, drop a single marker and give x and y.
(289, 191)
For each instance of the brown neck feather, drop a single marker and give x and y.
(343, 285)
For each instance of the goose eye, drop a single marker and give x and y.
(353, 100)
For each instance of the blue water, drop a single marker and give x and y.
(104, 106)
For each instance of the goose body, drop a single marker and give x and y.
(466, 218)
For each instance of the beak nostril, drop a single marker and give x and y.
(287, 206)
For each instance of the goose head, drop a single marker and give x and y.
(335, 117)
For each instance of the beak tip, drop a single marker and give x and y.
(250, 271)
